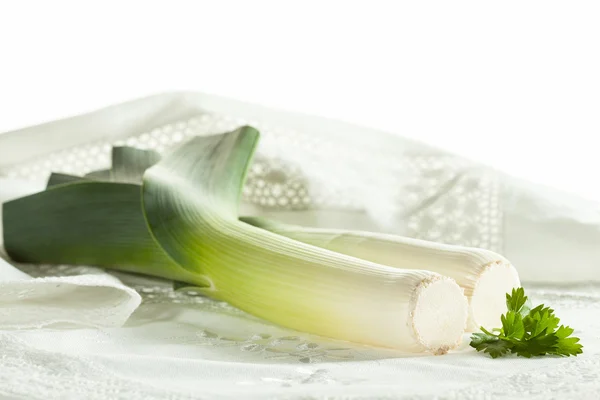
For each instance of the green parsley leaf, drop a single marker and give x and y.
(566, 345)
(537, 346)
(527, 332)
(479, 339)
(516, 300)
(490, 344)
(512, 325)
(541, 319)
(564, 332)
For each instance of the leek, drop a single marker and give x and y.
(183, 225)
(484, 275)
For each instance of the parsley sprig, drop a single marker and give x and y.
(527, 332)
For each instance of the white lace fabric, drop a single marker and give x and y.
(310, 171)
(182, 346)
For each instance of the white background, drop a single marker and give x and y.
(515, 84)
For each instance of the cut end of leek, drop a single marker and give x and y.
(439, 314)
(488, 301)
(485, 276)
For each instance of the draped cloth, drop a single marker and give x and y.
(82, 332)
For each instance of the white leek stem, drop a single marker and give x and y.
(485, 276)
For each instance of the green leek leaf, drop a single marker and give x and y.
(102, 175)
(89, 223)
(129, 164)
(60, 179)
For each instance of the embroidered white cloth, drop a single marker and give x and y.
(182, 346)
